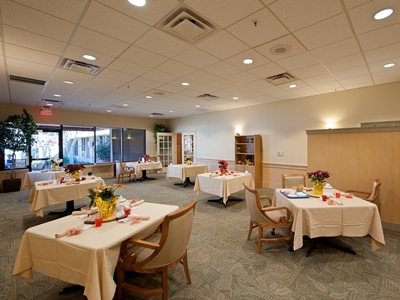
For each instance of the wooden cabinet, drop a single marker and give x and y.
(248, 156)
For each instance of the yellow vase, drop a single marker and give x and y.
(318, 188)
(106, 209)
(75, 175)
(188, 162)
(54, 166)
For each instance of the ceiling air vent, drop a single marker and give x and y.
(207, 97)
(27, 80)
(80, 66)
(156, 114)
(281, 78)
(186, 25)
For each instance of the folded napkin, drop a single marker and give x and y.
(137, 203)
(214, 175)
(86, 211)
(74, 230)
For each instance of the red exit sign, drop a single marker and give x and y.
(46, 111)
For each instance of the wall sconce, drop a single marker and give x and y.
(237, 133)
(129, 137)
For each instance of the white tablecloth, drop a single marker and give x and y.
(315, 218)
(183, 171)
(88, 259)
(53, 193)
(31, 177)
(223, 185)
(139, 167)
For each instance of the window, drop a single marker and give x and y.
(78, 145)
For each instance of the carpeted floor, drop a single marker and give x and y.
(223, 264)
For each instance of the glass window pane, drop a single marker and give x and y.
(20, 157)
(103, 145)
(133, 144)
(78, 145)
(116, 144)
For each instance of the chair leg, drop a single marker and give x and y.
(186, 268)
(260, 236)
(164, 283)
(250, 230)
(119, 178)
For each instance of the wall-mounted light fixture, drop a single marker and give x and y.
(237, 133)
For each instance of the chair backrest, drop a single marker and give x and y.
(375, 190)
(289, 180)
(175, 235)
(254, 207)
(118, 167)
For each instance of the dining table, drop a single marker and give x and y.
(87, 259)
(50, 192)
(143, 167)
(222, 185)
(184, 172)
(33, 176)
(343, 216)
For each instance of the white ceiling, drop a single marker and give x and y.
(334, 45)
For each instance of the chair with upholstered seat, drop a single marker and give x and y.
(368, 196)
(157, 253)
(124, 172)
(267, 217)
(290, 180)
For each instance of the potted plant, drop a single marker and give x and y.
(16, 134)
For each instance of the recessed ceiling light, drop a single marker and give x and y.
(125, 104)
(197, 105)
(389, 65)
(149, 97)
(49, 104)
(151, 116)
(57, 95)
(292, 86)
(185, 83)
(171, 111)
(89, 57)
(383, 14)
(68, 82)
(139, 3)
(248, 61)
(108, 110)
(235, 98)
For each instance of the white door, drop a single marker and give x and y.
(188, 146)
(165, 149)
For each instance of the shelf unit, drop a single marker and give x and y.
(248, 156)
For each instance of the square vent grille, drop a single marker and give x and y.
(281, 78)
(186, 25)
(207, 97)
(80, 66)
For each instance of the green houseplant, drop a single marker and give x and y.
(16, 134)
(159, 128)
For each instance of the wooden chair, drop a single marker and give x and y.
(369, 196)
(289, 180)
(157, 253)
(267, 217)
(124, 172)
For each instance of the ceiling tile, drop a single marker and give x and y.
(222, 69)
(258, 28)
(297, 14)
(31, 55)
(215, 9)
(128, 67)
(92, 40)
(267, 70)
(176, 68)
(222, 45)
(161, 43)
(297, 61)
(202, 59)
(344, 63)
(34, 21)
(381, 37)
(324, 33)
(126, 29)
(385, 53)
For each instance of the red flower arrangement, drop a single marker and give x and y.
(69, 169)
(319, 176)
(223, 163)
(146, 157)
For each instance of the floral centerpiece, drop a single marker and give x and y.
(146, 157)
(318, 179)
(74, 170)
(188, 160)
(223, 164)
(55, 163)
(105, 199)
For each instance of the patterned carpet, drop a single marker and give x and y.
(223, 264)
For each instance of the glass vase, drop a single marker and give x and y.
(318, 188)
(222, 170)
(75, 175)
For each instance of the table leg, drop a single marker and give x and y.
(144, 176)
(69, 208)
(222, 200)
(332, 243)
(70, 289)
(186, 182)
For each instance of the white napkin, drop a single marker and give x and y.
(214, 175)
(137, 203)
